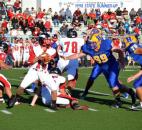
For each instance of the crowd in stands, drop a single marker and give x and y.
(25, 26)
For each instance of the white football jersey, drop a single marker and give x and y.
(71, 45)
(37, 49)
(51, 51)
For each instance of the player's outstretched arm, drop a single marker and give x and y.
(133, 77)
(75, 56)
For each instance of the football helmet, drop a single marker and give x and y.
(96, 31)
(129, 39)
(43, 37)
(4, 47)
(95, 38)
(71, 33)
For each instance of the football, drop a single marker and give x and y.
(45, 57)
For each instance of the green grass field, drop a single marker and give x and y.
(24, 117)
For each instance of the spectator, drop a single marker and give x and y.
(90, 21)
(121, 30)
(132, 14)
(125, 13)
(92, 14)
(85, 15)
(36, 31)
(40, 25)
(9, 4)
(10, 13)
(78, 14)
(127, 26)
(105, 26)
(33, 12)
(48, 25)
(98, 14)
(23, 24)
(76, 22)
(17, 6)
(5, 25)
(139, 12)
(56, 19)
(49, 13)
(118, 13)
(62, 15)
(40, 14)
(68, 15)
(63, 30)
(27, 11)
(105, 16)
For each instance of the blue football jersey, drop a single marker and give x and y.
(131, 50)
(103, 55)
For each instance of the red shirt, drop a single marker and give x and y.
(40, 15)
(92, 15)
(112, 16)
(10, 14)
(137, 30)
(116, 42)
(105, 25)
(47, 25)
(105, 16)
(17, 4)
(138, 20)
(4, 24)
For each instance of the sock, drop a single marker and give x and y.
(1, 98)
(88, 86)
(141, 104)
(33, 86)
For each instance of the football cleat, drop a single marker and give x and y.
(17, 103)
(53, 106)
(136, 108)
(118, 104)
(133, 96)
(83, 96)
(12, 101)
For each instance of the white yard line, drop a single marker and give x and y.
(6, 112)
(94, 92)
(49, 110)
(92, 109)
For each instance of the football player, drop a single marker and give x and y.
(135, 51)
(38, 71)
(68, 46)
(4, 83)
(63, 99)
(101, 51)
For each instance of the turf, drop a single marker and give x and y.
(24, 117)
